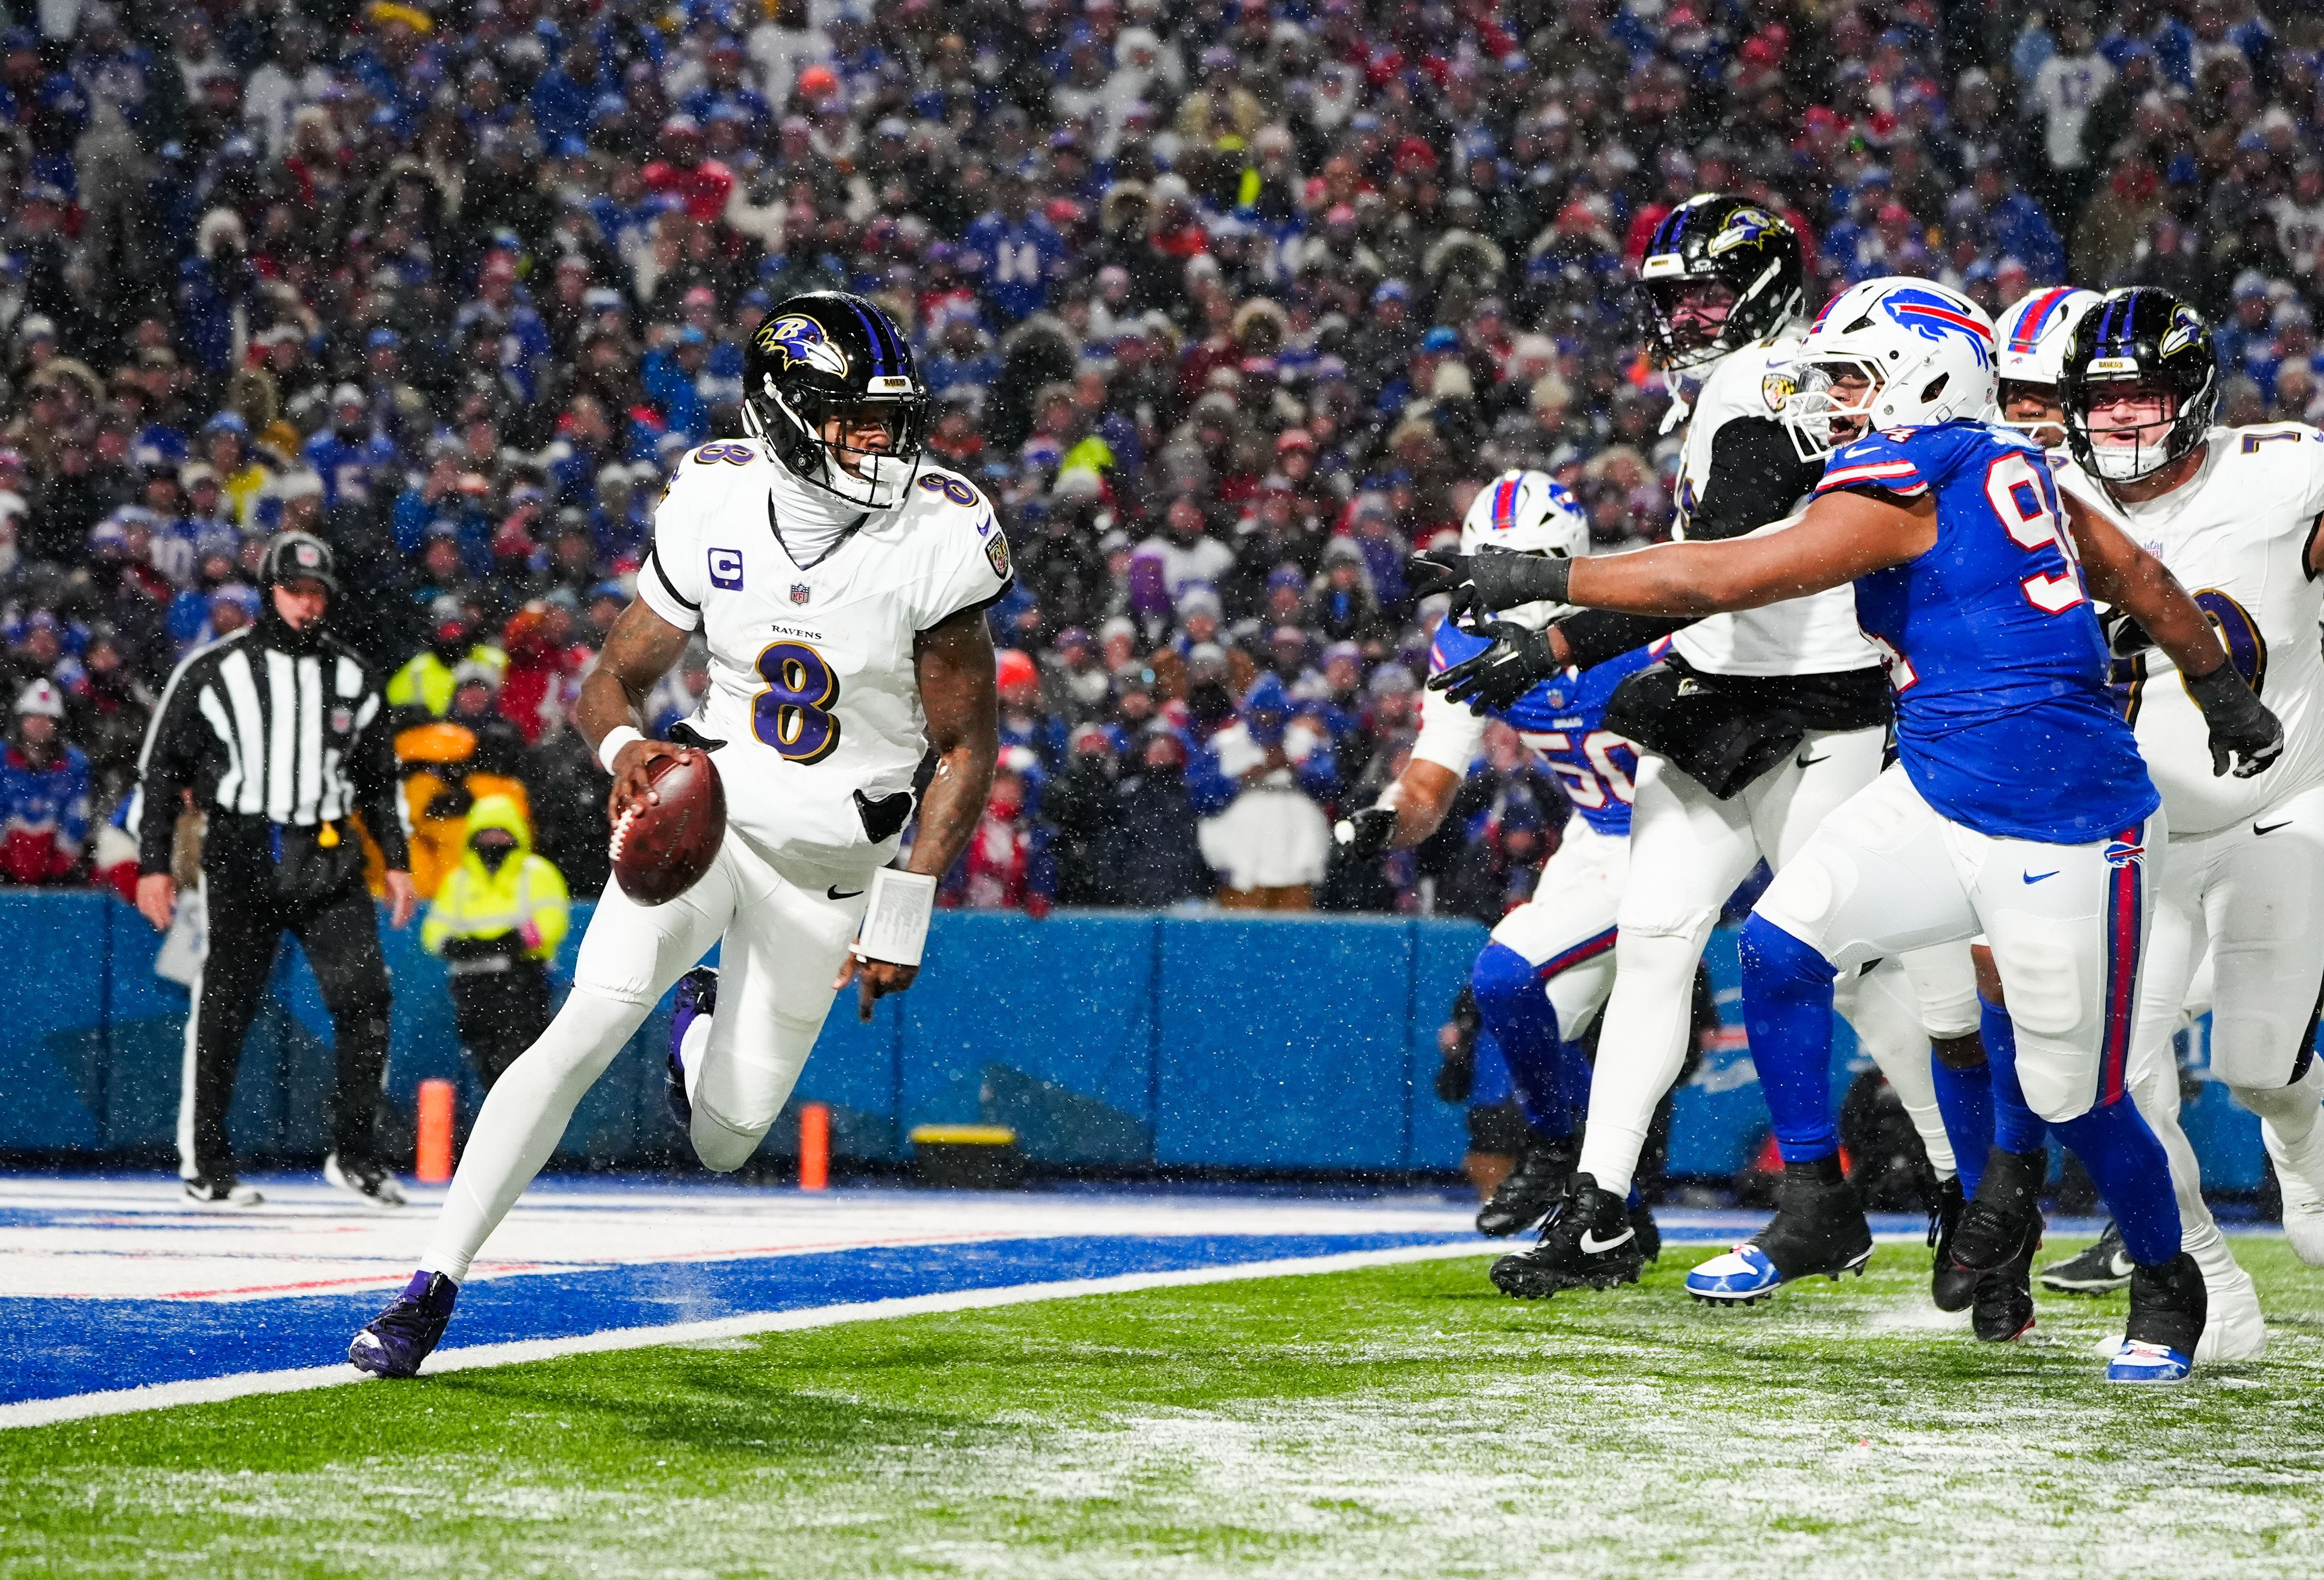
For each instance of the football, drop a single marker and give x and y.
(661, 849)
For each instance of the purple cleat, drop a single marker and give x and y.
(400, 1337)
(697, 995)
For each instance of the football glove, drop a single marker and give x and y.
(1487, 582)
(1364, 834)
(2244, 732)
(1518, 660)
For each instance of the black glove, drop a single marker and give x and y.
(2125, 637)
(1427, 575)
(1518, 660)
(1362, 836)
(2242, 729)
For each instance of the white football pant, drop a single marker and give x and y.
(1689, 850)
(782, 936)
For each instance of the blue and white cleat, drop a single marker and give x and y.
(1737, 1278)
(696, 996)
(402, 1336)
(1819, 1228)
(2170, 1308)
(2139, 1362)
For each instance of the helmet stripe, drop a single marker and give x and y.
(2033, 318)
(880, 354)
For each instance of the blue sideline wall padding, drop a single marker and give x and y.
(1103, 1039)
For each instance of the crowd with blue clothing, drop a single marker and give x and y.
(1227, 307)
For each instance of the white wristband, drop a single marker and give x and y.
(896, 918)
(618, 737)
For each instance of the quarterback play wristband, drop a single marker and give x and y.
(618, 737)
(896, 918)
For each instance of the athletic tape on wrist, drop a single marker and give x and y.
(896, 916)
(618, 737)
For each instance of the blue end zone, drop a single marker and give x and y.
(65, 1348)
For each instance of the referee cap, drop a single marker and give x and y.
(299, 557)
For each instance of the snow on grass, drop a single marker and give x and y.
(1400, 1421)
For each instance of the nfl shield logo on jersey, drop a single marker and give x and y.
(799, 592)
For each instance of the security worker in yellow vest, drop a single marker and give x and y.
(498, 919)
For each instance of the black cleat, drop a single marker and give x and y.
(1531, 1189)
(1819, 1228)
(1650, 1235)
(2002, 1308)
(696, 994)
(1951, 1286)
(1590, 1242)
(402, 1336)
(362, 1178)
(2167, 1308)
(2103, 1268)
(1993, 1227)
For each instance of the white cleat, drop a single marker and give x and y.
(369, 1181)
(2303, 1199)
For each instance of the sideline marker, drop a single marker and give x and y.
(435, 1160)
(814, 1145)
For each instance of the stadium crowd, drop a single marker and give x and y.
(1225, 304)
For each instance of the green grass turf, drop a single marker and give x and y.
(1404, 1420)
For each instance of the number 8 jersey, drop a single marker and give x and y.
(2237, 535)
(812, 690)
(2004, 720)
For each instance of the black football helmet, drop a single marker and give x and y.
(1714, 237)
(2141, 334)
(821, 354)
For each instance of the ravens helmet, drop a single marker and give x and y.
(1713, 238)
(827, 354)
(2139, 334)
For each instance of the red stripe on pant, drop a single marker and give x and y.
(2123, 911)
(1588, 950)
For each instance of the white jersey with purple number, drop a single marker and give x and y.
(1813, 635)
(2237, 536)
(813, 686)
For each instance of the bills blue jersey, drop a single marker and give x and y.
(1563, 720)
(2004, 720)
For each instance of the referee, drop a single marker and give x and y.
(278, 733)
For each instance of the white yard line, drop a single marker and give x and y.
(41, 1412)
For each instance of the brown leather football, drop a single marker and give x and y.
(661, 849)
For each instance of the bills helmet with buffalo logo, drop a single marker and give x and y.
(827, 354)
(1715, 239)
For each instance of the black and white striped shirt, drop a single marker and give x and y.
(294, 737)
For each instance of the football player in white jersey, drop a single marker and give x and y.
(1543, 976)
(1752, 728)
(2237, 514)
(841, 585)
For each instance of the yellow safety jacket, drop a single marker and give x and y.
(479, 903)
(426, 680)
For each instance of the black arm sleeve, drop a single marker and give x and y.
(371, 768)
(1755, 476)
(1595, 635)
(172, 759)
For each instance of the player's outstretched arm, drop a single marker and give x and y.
(961, 702)
(638, 651)
(2245, 736)
(1842, 536)
(1408, 812)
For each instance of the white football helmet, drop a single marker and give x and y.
(1925, 353)
(1527, 512)
(2034, 333)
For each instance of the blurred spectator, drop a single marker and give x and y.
(1262, 782)
(44, 812)
(1008, 864)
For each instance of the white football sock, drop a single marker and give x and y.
(522, 1120)
(1641, 1049)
